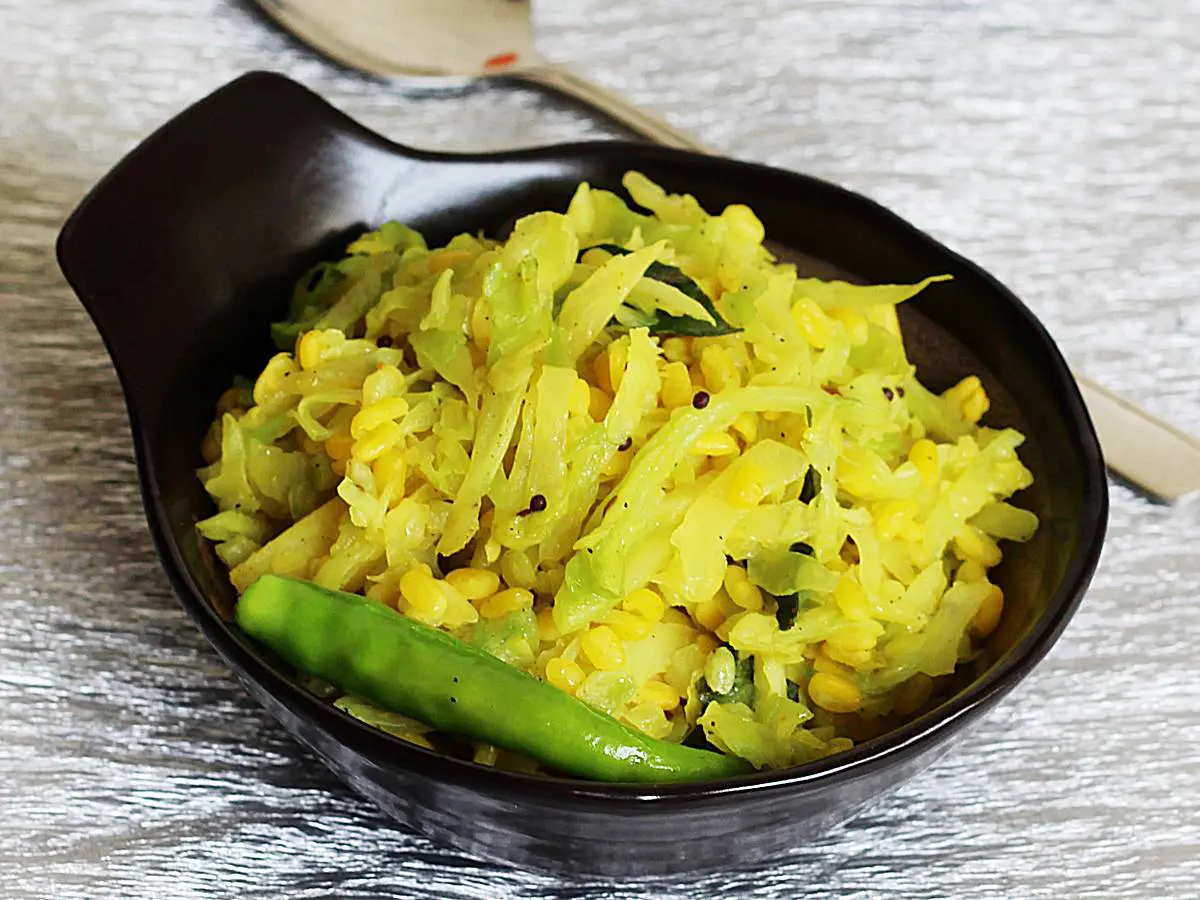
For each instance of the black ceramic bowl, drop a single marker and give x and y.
(186, 251)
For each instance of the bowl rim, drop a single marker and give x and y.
(912, 738)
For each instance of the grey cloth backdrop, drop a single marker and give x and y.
(1056, 143)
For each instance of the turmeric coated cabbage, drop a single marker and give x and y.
(629, 452)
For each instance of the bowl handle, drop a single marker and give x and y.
(229, 199)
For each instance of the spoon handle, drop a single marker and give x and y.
(615, 107)
(1149, 453)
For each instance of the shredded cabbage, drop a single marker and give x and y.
(673, 463)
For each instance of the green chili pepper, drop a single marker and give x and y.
(367, 649)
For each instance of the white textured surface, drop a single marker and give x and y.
(1056, 143)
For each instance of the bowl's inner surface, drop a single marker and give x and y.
(1029, 574)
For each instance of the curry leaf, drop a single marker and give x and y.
(662, 323)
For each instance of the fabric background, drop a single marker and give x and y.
(1056, 143)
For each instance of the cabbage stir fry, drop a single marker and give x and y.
(629, 453)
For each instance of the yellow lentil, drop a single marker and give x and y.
(676, 387)
(822, 663)
(378, 413)
(646, 603)
(581, 398)
(627, 625)
(660, 694)
(386, 381)
(603, 648)
(715, 443)
(601, 372)
(504, 603)
(708, 614)
(391, 472)
(987, 617)
(564, 674)
(859, 635)
(474, 584)
(618, 358)
(481, 324)
(852, 599)
(814, 325)
(599, 404)
(425, 598)
(718, 368)
(338, 445)
(372, 446)
(617, 465)
(741, 589)
(834, 693)
(310, 350)
(847, 656)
